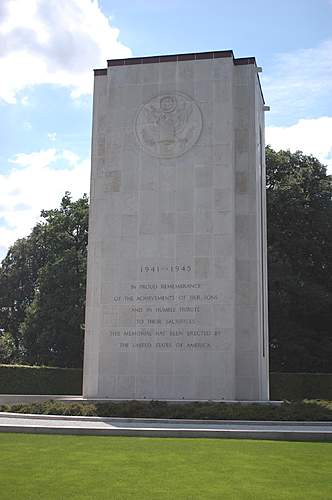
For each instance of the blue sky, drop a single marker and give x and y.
(48, 49)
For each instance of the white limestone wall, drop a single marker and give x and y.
(173, 300)
(93, 311)
(250, 234)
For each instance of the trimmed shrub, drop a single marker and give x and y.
(296, 411)
(19, 379)
(297, 386)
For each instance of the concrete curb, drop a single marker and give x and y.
(278, 423)
(98, 426)
(175, 433)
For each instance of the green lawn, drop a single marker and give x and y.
(43, 467)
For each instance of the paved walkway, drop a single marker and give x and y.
(53, 424)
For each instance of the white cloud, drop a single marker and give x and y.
(54, 42)
(298, 80)
(71, 158)
(37, 182)
(312, 136)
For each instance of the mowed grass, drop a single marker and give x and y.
(86, 467)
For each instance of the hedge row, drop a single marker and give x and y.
(297, 386)
(294, 410)
(17, 379)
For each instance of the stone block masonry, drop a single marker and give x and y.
(176, 294)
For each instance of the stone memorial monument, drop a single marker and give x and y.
(177, 288)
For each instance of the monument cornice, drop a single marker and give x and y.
(193, 56)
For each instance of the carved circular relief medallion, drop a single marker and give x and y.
(168, 125)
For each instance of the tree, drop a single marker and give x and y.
(7, 348)
(42, 285)
(299, 262)
(54, 325)
(18, 275)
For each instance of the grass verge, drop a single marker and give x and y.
(34, 467)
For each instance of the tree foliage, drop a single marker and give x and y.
(18, 276)
(42, 287)
(299, 205)
(42, 278)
